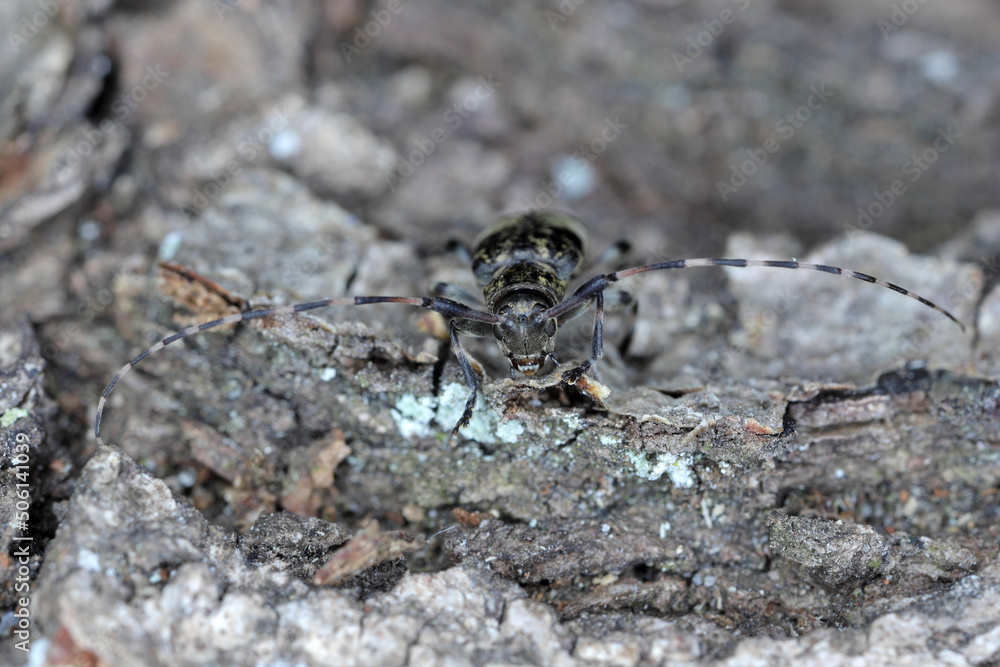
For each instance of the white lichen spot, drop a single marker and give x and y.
(573, 421)
(681, 472)
(89, 560)
(664, 529)
(413, 415)
(509, 431)
(485, 426)
(641, 465)
(187, 478)
(610, 439)
(285, 145)
(328, 374)
(653, 466)
(170, 245)
(576, 175)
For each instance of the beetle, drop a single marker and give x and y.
(524, 264)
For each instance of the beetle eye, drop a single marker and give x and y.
(497, 331)
(550, 327)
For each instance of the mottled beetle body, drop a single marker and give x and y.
(524, 264)
(538, 252)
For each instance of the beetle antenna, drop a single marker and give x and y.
(599, 283)
(446, 307)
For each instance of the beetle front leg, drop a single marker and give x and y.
(596, 345)
(471, 376)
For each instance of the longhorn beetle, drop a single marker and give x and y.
(523, 264)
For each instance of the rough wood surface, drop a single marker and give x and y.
(788, 468)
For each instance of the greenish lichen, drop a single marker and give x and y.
(572, 420)
(486, 425)
(413, 415)
(12, 416)
(610, 439)
(653, 466)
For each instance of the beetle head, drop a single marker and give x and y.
(524, 335)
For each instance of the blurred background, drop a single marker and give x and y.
(236, 136)
(347, 96)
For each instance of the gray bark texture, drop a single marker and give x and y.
(784, 468)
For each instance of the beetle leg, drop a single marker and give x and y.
(471, 376)
(596, 344)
